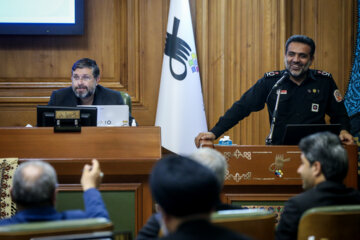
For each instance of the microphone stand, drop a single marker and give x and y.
(268, 140)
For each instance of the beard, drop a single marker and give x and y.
(307, 183)
(88, 93)
(298, 74)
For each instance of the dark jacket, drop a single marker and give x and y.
(308, 103)
(324, 194)
(102, 96)
(94, 207)
(202, 229)
(152, 227)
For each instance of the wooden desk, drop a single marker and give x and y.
(126, 156)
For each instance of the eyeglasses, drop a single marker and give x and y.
(85, 78)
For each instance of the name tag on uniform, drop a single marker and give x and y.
(315, 107)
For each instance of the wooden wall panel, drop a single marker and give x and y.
(237, 42)
(123, 36)
(244, 39)
(331, 23)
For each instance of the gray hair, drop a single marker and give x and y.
(326, 148)
(34, 189)
(212, 159)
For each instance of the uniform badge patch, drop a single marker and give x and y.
(271, 74)
(338, 96)
(324, 73)
(315, 107)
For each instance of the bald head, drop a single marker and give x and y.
(31, 173)
(34, 184)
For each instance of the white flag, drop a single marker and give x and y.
(180, 110)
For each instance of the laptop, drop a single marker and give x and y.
(111, 115)
(295, 132)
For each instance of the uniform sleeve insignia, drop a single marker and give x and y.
(323, 73)
(272, 74)
(337, 95)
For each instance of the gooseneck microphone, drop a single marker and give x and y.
(278, 82)
(285, 75)
(274, 114)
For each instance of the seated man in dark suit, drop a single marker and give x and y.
(187, 192)
(208, 157)
(324, 165)
(34, 192)
(85, 88)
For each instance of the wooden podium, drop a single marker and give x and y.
(126, 156)
(269, 173)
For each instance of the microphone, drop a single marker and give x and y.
(268, 140)
(285, 75)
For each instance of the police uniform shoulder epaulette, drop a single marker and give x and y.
(319, 73)
(272, 74)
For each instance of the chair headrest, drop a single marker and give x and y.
(55, 225)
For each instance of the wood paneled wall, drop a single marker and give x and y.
(237, 42)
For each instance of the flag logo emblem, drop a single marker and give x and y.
(193, 63)
(176, 48)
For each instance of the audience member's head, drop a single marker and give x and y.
(212, 159)
(34, 184)
(183, 189)
(323, 158)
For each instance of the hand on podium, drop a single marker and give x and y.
(204, 138)
(346, 138)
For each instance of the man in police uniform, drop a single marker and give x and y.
(305, 96)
